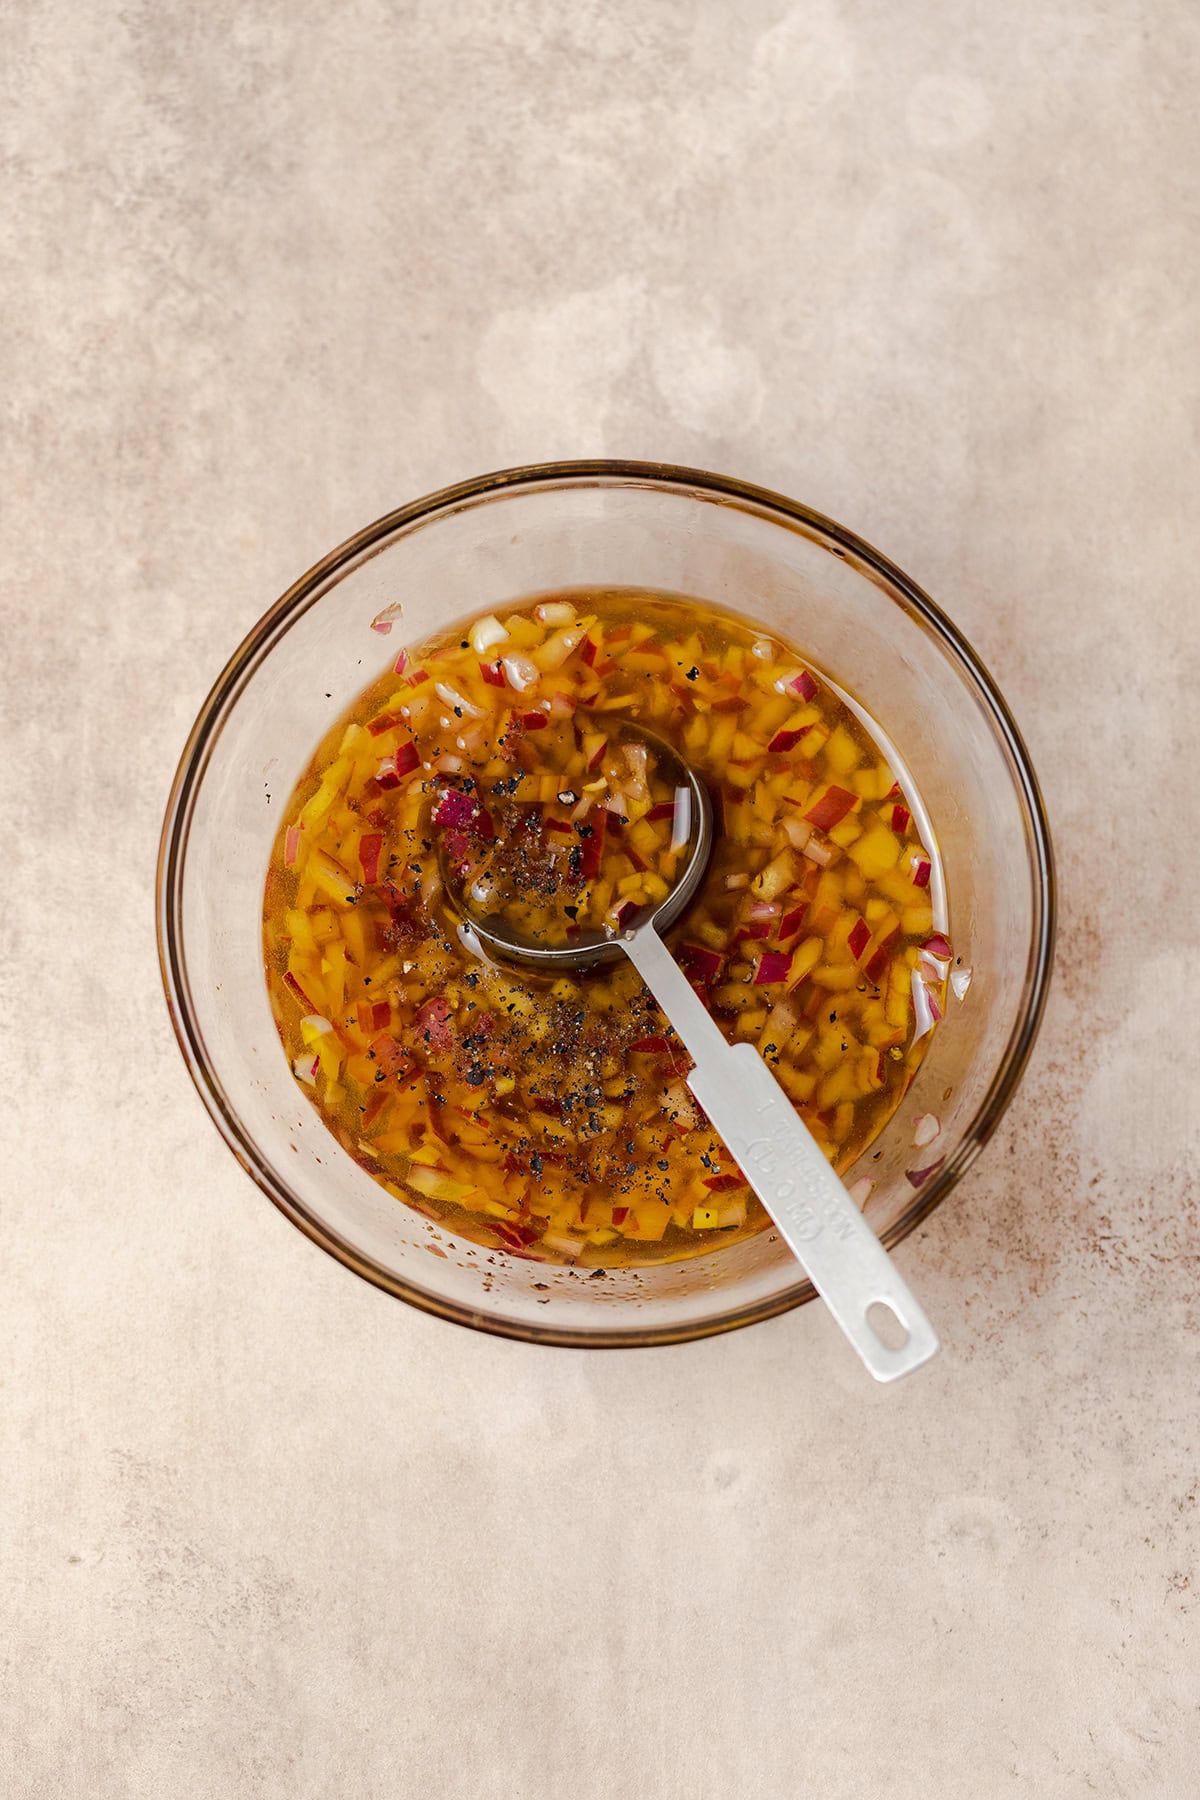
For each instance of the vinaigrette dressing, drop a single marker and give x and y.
(550, 1117)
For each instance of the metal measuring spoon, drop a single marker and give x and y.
(744, 1103)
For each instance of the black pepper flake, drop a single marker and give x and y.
(662, 1165)
(693, 673)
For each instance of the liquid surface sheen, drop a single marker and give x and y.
(501, 766)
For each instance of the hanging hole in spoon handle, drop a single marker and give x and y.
(787, 1169)
(821, 1224)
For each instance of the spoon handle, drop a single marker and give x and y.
(821, 1224)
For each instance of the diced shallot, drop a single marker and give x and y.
(763, 909)
(918, 1177)
(305, 1067)
(433, 1024)
(798, 833)
(520, 673)
(555, 612)
(290, 982)
(775, 879)
(457, 701)
(680, 1106)
(636, 756)
(595, 753)
(699, 963)
(960, 981)
(881, 956)
(860, 1190)
(462, 811)
(556, 649)
(485, 633)
(563, 1244)
(773, 966)
(926, 1009)
(817, 851)
(369, 847)
(782, 1021)
(592, 849)
(926, 1127)
(792, 921)
(830, 808)
(291, 846)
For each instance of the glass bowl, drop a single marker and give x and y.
(475, 548)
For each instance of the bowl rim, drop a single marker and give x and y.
(593, 471)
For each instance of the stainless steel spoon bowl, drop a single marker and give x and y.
(496, 937)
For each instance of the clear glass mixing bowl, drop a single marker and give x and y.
(475, 548)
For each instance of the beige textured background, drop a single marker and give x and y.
(267, 272)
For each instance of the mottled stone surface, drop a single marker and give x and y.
(270, 270)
